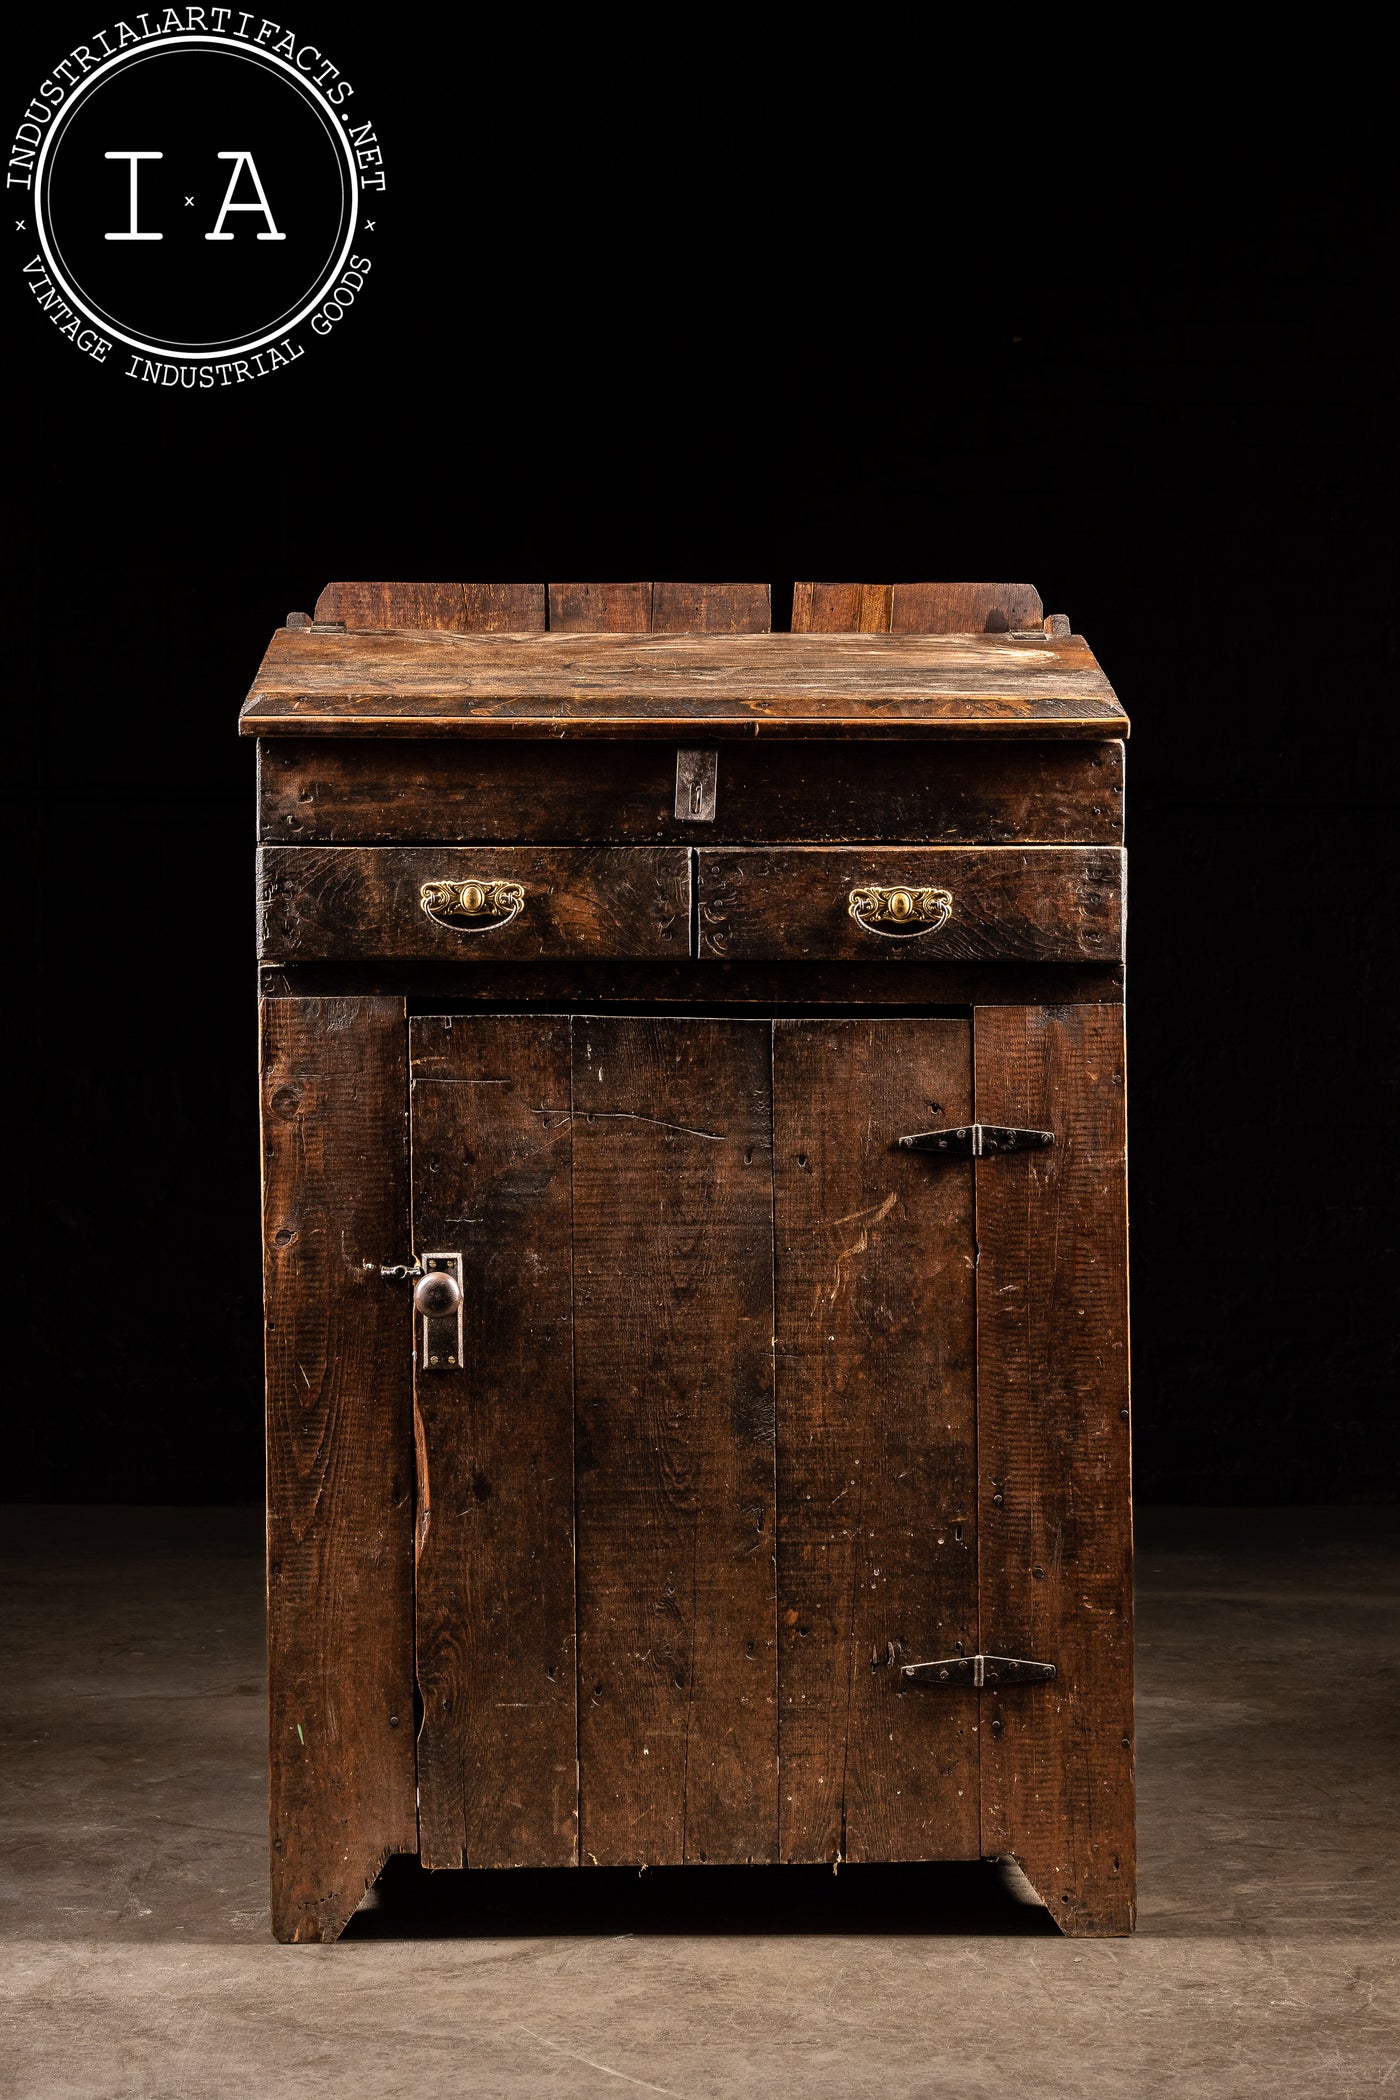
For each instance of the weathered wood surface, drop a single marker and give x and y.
(914, 608)
(1033, 903)
(673, 1313)
(339, 1455)
(452, 608)
(498, 1749)
(659, 608)
(647, 685)
(325, 902)
(877, 1446)
(598, 986)
(1053, 1459)
(397, 792)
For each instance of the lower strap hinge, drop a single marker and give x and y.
(979, 1670)
(977, 1141)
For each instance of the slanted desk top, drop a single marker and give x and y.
(316, 681)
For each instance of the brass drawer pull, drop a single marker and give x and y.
(472, 907)
(914, 912)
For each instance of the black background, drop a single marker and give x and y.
(1094, 298)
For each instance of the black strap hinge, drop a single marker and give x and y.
(979, 1670)
(977, 1141)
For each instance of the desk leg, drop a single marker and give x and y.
(339, 1454)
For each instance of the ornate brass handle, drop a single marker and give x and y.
(913, 912)
(459, 905)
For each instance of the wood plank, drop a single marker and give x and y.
(600, 608)
(877, 1555)
(498, 1747)
(314, 683)
(339, 1454)
(370, 790)
(448, 608)
(915, 608)
(673, 1313)
(711, 608)
(604, 986)
(1032, 903)
(1056, 1544)
(324, 902)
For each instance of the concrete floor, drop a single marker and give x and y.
(138, 1960)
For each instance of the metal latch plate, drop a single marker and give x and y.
(440, 1336)
(697, 786)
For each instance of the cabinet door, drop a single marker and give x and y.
(877, 1455)
(497, 1752)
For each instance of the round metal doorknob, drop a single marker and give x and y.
(438, 1295)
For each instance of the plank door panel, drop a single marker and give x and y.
(877, 1560)
(673, 1312)
(339, 1455)
(497, 1756)
(1052, 1338)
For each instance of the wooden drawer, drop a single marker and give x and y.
(1031, 904)
(332, 903)
(325, 791)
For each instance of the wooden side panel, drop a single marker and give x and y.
(915, 608)
(333, 903)
(451, 608)
(339, 1454)
(711, 608)
(497, 1754)
(877, 1456)
(1052, 1340)
(673, 1313)
(600, 608)
(1026, 904)
(364, 790)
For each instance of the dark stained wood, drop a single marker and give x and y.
(339, 1454)
(673, 1311)
(1053, 1459)
(914, 608)
(877, 1443)
(766, 985)
(449, 608)
(498, 1751)
(321, 902)
(677, 686)
(373, 791)
(1034, 903)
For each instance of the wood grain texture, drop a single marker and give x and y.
(339, 1454)
(673, 1310)
(914, 608)
(373, 791)
(322, 902)
(673, 686)
(1034, 903)
(498, 1747)
(877, 1556)
(659, 608)
(450, 608)
(768, 986)
(1055, 1553)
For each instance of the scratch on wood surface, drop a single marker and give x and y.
(623, 1115)
(876, 1216)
